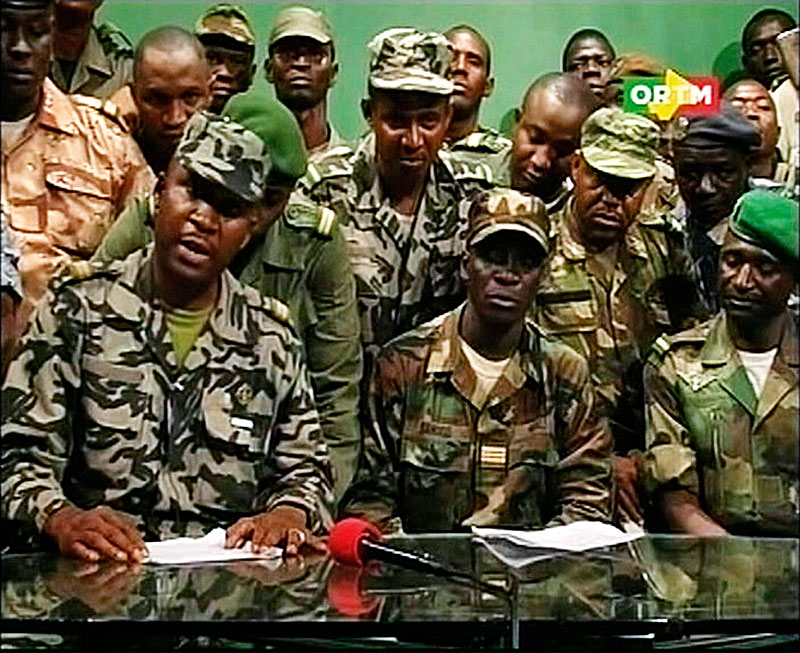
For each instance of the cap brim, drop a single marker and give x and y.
(436, 85)
(619, 164)
(492, 229)
(319, 37)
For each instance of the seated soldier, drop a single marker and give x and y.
(159, 397)
(477, 418)
(722, 398)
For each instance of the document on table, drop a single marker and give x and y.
(520, 548)
(209, 548)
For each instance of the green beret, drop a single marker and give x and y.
(769, 221)
(275, 125)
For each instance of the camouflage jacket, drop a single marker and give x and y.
(486, 150)
(708, 433)
(96, 412)
(302, 261)
(406, 271)
(612, 323)
(105, 65)
(536, 454)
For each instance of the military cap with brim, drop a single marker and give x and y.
(726, 128)
(769, 221)
(405, 59)
(226, 20)
(506, 210)
(301, 21)
(275, 125)
(27, 4)
(620, 144)
(225, 152)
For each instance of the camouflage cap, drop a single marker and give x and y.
(405, 59)
(769, 221)
(503, 209)
(225, 152)
(277, 127)
(301, 21)
(620, 144)
(227, 20)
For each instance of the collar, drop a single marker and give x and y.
(94, 57)
(719, 348)
(717, 232)
(56, 111)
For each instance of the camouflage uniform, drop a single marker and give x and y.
(105, 65)
(612, 324)
(535, 454)
(96, 411)
(64, 182)
(708, 433)
(9, 258)
(485, 149)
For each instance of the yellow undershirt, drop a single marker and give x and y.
(184, 326)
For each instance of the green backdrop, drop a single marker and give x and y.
(693, 37)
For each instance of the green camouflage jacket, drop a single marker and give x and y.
(406, 272)
(96, 412)
(536, 454)
(302, 261)
(651, 291)
(487, 150)
(105, 65)
(707, 432)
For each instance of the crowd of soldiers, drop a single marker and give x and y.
(219, 312)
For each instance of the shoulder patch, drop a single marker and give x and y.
(278, 310)
(108, 108)
(77, 271)
(308, 215)
(334, 163)
(114, 40)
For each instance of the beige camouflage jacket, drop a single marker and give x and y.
(487, 151)
(611, 319)
(708, 433)
(535, 454)
(96, 412)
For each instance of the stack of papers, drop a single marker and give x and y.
(209, 548)
(520, 548)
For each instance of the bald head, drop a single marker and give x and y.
(168, 39)
(548, 132)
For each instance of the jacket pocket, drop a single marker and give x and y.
(568, 311)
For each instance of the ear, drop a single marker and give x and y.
(575, 163)
(489, 89)
(334, 73)
(462, 268)
(366, 110)
(268, 70)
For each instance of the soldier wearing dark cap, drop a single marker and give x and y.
(617, 278)
(711, 167)
(722, 398)
(227, 35)
(302, 67)
(477, 418)
(89, 59)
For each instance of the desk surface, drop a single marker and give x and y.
(661, 586)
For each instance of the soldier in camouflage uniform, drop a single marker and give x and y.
(397, 197)
(476, 417)
(159, 397)
(89, 59)
(470, 69)
(722, 398)
(300, 259)
(617, 279)
(546, 134)
(10, 291)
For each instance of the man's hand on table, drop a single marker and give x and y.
(99, 586)
(96, 534)
(283, 526)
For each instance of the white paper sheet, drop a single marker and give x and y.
(577, 536)
(209, 548)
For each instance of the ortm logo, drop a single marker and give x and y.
(662, 98)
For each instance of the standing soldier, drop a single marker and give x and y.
(617, 279)
(470, 70)
(302, 66)
(722, 398)
(88, 59)
(227, 35)
(477, 418)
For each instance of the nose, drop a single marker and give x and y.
(707, 186)
(770, 52)
(508, 274)
(591, 69)
(413, 136)
(221, 72)
(542, 157)
(301, 59)
(176, 114)
(18, 47)
(743, 278)
(204, 217)
(459, 63)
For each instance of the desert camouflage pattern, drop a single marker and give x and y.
(97, 412)
(620, 144)
(406, 270)
(534, 455)
(708, 433)
(505, 209)
(64, 183)
(9, 259)
(104, 67)
(612, 318)
(405, 59)
(223, 151)
(485, 149)
(302, 261)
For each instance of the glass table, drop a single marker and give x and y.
(651, 593)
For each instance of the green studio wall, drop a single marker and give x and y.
(526, 37)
